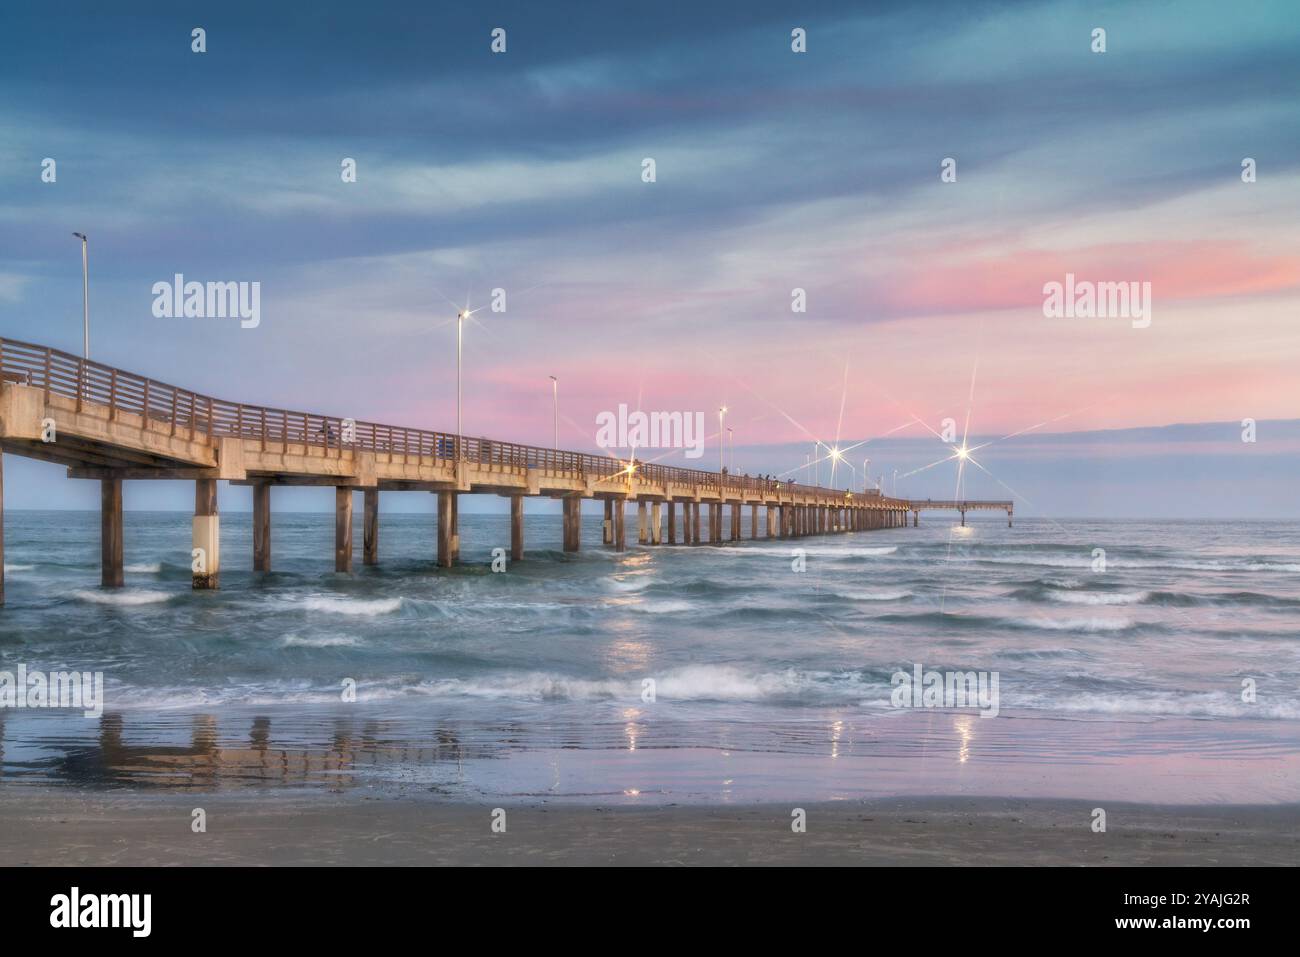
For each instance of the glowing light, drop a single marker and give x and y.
(963, 452)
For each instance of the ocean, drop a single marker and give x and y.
(745, 672)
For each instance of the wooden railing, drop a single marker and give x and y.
(203, 417)
(957, 504)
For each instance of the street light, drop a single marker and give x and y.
(460, 336)
(866, 475)
(731, 454)
(722, 438)
(555, 401)
(85, 298)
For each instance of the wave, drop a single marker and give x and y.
(817, 551)
(1099, 598)
(881, 595)
(666, 607)
(124, 598)
(336, 605)
(1083, 624)
(1075, 595)
(1161, 704)
(323, 641)
(145, 568)
(1083, 559)
(630, 584)
(18, 568)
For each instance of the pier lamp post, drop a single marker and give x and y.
(866, 474)
(731, 450)
(85, 298)
(460, 338)
(722, 437)
(555, 402)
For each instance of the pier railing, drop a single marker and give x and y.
(201, 416)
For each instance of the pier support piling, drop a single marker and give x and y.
(516, 528)
(455, 527)
(620, 530)
(110, 532)
(573, 523)
(609, 522)
(642, 526)
(446, 506)
(342, 529)
(672, 522)
(370, 527)
(656, 524)
(2, 529)
(262, 527)
(205, 564)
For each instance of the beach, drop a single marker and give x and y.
(93, 829)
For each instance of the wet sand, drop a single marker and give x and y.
(42, 826)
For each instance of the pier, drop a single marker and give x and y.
(109, 425)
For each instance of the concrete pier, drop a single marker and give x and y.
(114, 425)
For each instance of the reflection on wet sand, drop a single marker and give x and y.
(209, 761)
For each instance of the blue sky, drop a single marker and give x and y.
(775, 170)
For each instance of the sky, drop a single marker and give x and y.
(774, 171)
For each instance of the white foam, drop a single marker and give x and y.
(820, 551)
(335, 605)
(123, 597)
(1196, 704)
(323, 641)
(1099, 598)
(17, 568)
(1081, 624)
(883, 595)
(145, 568)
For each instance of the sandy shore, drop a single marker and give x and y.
(58, 827)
